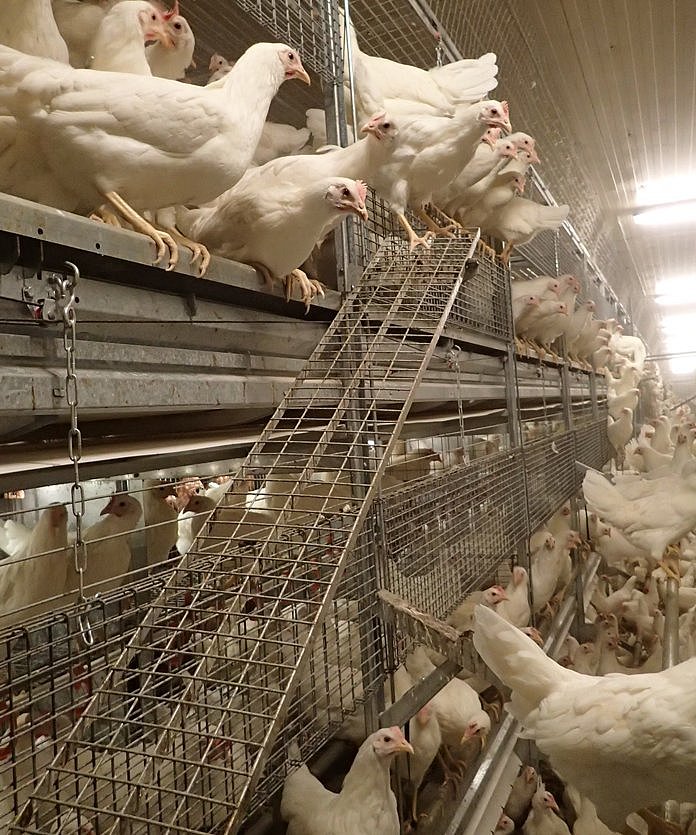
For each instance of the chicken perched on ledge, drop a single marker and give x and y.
(131, 141)
(275, 227)
(623, 741)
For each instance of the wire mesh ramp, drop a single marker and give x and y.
(248, 637)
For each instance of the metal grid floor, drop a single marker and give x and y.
(248, 635)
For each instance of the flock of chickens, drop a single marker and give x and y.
(615, 728)
(96, 117)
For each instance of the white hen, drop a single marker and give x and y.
(107, 549)
(119, 45)
(36, 570)
(365, 803)
(273, 223)
(173, 62)
(623, 741)
(137, 142)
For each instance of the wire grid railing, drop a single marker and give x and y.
(592, 447)
(550, 475)
(235, 25)
(482, 304)
(177, 735)
(446, 532)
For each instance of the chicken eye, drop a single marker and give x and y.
(178, 27)
(387, 125)
(291, 56)
(346, 193)
(153, 17)
(387, 739)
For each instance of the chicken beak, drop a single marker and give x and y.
(358, 209)
(405, 747)
(300, 73)
(161, 33)
(533, 157)
(105, 511)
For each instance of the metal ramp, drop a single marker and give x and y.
(268, 628)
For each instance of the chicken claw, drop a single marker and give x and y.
(104, 215)
(310, 288)
(670, 562)
(197, 250)
(163, 241)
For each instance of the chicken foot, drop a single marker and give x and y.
(452, 769)
(163, 241)
(198, 250)
(414, 239)
(104, 215)
(310, 288)
(434, 227)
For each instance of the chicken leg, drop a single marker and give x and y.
(414, 239)
(435, 228)
(163, 241)
(506, 253)
(670, 562)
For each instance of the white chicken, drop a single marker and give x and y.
(542, 818)
(424, 735)
(653, 522)
(37, 566)
(191, 520)
(623, 741)
(174, 61)
(133, 141)
(218, 67)
(462, 618)
(273, 222)
(516, 609)
(457, 706)
(384, 83)
(429, 152)
(29, 26)
(161, 520)
(365, 803)
(521, 220)
(620, 432)
(107, 549)
(119, 45)
(521, 793)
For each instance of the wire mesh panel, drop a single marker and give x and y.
(443, 534)
(592, 447)
(248, 631)
(582, 407)
(550, 468)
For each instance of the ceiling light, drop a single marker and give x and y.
(667, 190)
(683, 365)
(669, 215)
(668, 201)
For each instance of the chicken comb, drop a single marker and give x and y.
(174, 11)
(361, 188)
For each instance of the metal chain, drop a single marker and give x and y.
(439, 50)
(65, 302)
